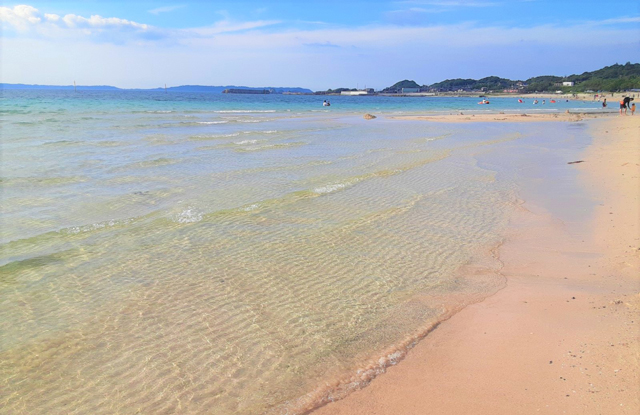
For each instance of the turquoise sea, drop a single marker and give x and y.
(239, 254)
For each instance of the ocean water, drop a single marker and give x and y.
(231, 254)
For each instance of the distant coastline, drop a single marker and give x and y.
(181, 88)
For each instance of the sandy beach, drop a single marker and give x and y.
(463, 117)
(563, 336)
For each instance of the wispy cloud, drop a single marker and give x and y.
(322, 45)
(620, 20)
(227, 26)
(166, 9)
(28, 20)
(25, 18)
(452, 3)
(413, 12)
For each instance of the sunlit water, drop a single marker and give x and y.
(211, 254)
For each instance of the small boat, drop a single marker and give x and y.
(484, 101)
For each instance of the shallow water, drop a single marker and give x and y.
(193, 255)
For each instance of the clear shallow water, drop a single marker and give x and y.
(205, 254)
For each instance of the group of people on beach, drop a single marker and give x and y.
(544, 101)
(625, 103)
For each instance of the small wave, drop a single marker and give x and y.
(334, 187)
(95, 226)
(158, 112)
(244, 111)
(210, 122)
(213, 136)
(245, 142)
(270, 146)
(330, 188)
(189, 215)
(249, 208)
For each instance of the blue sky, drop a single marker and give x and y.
(314, 44)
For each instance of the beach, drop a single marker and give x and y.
(519, 117)
(562, 336)
(215, 254)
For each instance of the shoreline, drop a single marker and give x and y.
(523, 116)
(547, 341)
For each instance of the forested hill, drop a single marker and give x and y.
(397, 87)
(610, 78)
(488, 83)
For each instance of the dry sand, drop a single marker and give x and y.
(563, 336)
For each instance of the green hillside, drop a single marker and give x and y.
(397, 87)
(610, 78)
(488, 83)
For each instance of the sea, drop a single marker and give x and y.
(201, 253)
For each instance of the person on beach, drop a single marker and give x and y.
(633, 108)
(624, 104)
(604, 103)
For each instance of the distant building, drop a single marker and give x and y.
(409, 90)
(568, 83)
(359, 92)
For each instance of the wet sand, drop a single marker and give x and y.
(462, 117)
(563, 336)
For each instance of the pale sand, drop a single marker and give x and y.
(563, 336)
(461, 117)
(612, 97)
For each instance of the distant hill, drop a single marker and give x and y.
(60, 87)
(488, 83)
(183, 88)
(397, 87)
(610, 78)
(219, 89)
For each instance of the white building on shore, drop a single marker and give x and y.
(366, 91)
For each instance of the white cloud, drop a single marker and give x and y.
(51, 17)
(97, 21)
(27, 19)
(166, 9)
(21, 17)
